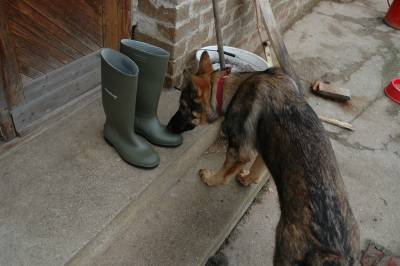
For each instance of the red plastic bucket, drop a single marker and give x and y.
(392, 17)
(393, 90)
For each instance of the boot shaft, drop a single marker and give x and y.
(152, 62)
(119, 86)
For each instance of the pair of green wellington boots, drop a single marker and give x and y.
(131, 86)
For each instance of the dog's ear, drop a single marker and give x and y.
(205, 65)
(201, 84)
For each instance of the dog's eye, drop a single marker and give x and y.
(196, 121)
(196, 114)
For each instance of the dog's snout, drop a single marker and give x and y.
(175, 122)
(170, 127)
(172, 124)
(179, 124)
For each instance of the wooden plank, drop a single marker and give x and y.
(57, 12)
(24, 115)
(116, 22)
(12, 84)
(3, 102)
(97, 6)
(58, 32)
(91, 18)
(88, 15)
(31, 63)
(39, 31)
(63, 75)
(27, 36)
(277, 42)
(38, 59)
(23, 46)
(110, 24)
(331, 91)
(126, 19)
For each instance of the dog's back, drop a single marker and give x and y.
(317, 226)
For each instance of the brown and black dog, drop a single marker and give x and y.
(264, 111)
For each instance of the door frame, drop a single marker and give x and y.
(12, 85)
(117, 22)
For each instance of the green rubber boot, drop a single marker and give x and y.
(152, 62)
(119, 77)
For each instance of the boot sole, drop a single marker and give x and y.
(135, 165)
(157, 144)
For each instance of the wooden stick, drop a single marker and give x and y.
(9, 68)
(331, 91)
(218, 35)
(7, 130)
(336, 122)
(277, 42)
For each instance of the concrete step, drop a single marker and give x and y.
(66, 196)
(184, 225)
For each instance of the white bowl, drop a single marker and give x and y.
(241, 61)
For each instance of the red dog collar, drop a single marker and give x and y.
(220, 90)
(220, 93)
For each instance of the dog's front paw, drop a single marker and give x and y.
(245, 178)
(208, 177)
(243, 173)
(205, 174)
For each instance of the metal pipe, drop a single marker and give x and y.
(218, 35)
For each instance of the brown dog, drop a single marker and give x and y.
(264, 111)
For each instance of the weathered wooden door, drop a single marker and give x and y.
(47, 44)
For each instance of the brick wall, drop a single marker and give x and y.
(183, 26)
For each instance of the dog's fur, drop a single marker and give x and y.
(265, 111)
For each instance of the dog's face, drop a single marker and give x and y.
(186, 117)
(194, 104)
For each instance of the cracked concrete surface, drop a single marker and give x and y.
(347, 44)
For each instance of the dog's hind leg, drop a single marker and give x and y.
(234, 162)
(257, 170)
